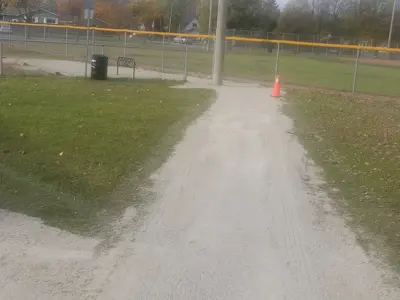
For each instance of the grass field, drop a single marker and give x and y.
(330, 72)
(67, 143)
(357, 142)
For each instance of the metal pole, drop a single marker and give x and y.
(124, 43)
(1, 57)
(87, 45)
(185, 64)
(44, 38)
(162, 54)
(391, 24)
(93, 41)
(249, 44)
(297, 50)
(66, 41)
(355, 72)
(313, 40)
(326, 52)
(277, 61)
(209, 24)
(26, 36)
(9, 38)
(219, 43)
(397, 55)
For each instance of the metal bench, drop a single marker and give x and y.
(126, 62)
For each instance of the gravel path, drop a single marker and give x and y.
(235, 216)
(236, 219)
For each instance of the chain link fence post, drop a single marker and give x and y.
(87, 46)
(26, 36)
(44, 39)
(356, 71)
(312, 48)
(277, 61)
(162, 54)
(1, 58)
(124, 43)
(9, 37)
(185, 63)
(93, 41)
(66, 41)
(326, 51)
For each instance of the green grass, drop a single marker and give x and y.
(357, 142)
(306, 69)
(67, 144)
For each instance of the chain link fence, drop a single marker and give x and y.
(344, 69)
(309, 38)
(150, 51)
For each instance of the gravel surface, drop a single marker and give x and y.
(235, 215)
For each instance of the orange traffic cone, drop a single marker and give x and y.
(277, 87)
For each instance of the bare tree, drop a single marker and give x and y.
(364, 19)
(28, 8)
(4, 4)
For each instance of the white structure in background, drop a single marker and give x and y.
(192, 27)
(45, 19)
(141, 28)
(41, 15)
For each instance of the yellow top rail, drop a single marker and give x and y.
(206, 36)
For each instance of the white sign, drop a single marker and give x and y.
(88, 14)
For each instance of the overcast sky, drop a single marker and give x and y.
(282, 3)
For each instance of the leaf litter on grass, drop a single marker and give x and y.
(356, 141)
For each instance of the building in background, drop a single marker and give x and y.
(190, 23)
(192, 27)
(38, 15)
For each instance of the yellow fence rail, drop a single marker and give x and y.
(205, 36)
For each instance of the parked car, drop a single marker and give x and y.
(5, 28)
(182, 40)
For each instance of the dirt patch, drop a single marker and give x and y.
(21, 69)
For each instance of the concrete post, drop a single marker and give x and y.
(219, 51)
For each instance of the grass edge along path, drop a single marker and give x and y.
(356, 140)
(68, 143)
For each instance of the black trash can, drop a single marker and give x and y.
(99, 67)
